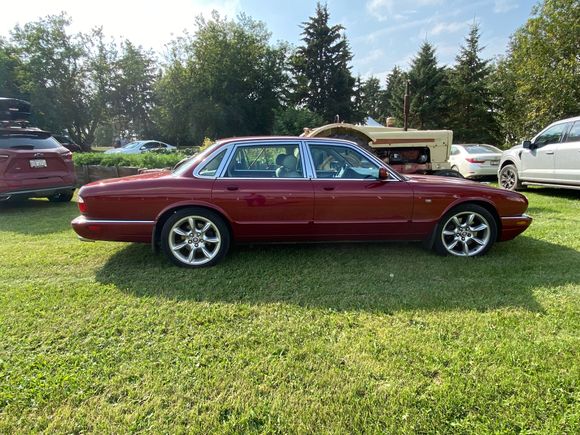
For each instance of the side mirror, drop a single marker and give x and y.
(527, 144)
(383, 174)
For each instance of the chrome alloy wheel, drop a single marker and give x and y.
(194, 240)
(466, 234)
(508, 178)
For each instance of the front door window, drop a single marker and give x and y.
(335, 161)
(551, 135)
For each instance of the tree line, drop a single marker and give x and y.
(227, 79)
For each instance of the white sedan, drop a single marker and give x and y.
(142, 146)
(475, 160)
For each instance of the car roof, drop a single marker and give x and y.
(281, 139)
(575, 118)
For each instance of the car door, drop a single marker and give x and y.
(567, 165)
(265, 191)
(349, 199)
(538, 162)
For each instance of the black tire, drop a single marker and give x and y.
(195, 241)
(509, 179)
(478, 242)
(62, 196)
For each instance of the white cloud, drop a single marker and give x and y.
(383, 10)
(446, 28)
(503, 6)
(149, 23)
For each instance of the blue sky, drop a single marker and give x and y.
(382, 33)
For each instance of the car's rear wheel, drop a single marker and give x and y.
(62, 196)
(195, 237)
(509, 179)
(466, 231)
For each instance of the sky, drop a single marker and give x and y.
(382, 33)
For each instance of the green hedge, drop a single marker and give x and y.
(145, 160)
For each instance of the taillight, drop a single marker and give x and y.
(472, 160)
(82, 205)
(67, 156)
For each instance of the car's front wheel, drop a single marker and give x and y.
(466, 231)
(509, 179)
(195, 237)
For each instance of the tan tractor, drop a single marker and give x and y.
(407, 151)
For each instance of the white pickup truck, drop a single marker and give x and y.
(551, 158)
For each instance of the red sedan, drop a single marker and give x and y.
(279, 189)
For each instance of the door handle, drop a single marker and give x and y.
(549, 153)
(232, 188)
(328, 188)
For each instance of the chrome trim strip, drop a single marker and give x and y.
(235, 145)
(358, 149)
(114, 221)
(215, 153)
(84, 239)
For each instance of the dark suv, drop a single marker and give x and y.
(32, 163)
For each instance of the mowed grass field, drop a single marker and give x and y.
(337, 338)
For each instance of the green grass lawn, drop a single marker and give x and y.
(109, 337)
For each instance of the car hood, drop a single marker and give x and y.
(437, 179)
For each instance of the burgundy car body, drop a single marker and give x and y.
(33, 164)
(134, 209)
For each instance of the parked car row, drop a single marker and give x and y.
(550, 159)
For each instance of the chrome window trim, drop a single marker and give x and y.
(265, 142)
(393, 176)
(201, 165)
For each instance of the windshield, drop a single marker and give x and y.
(133, 144)
(481, 149)
(186, 163)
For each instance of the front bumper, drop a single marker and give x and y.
(513, 226)
(113, 230)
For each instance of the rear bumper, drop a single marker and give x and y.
(514, 226)
(113, 230)
(36, 193)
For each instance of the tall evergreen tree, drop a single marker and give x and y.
(372, 99)
(394, 94)
(471, 115)
(323, 82)
(428, 99)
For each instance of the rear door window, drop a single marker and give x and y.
(574, 133)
